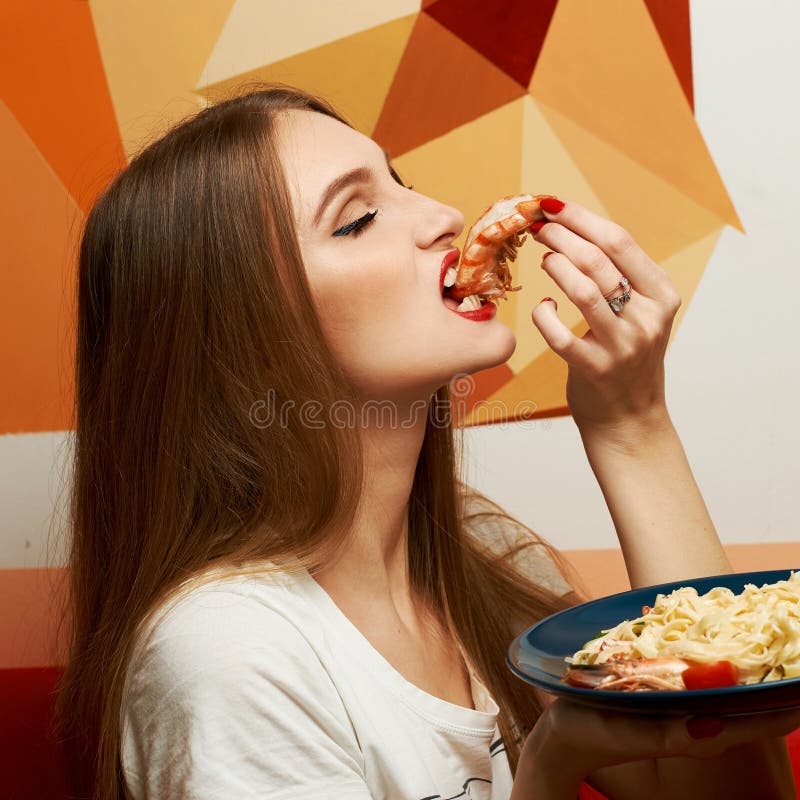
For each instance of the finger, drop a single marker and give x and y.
(584, 292)
(608, 738)
(643, 273)
(749, 727)
(587, 257)
(558, 336)
(617, 737)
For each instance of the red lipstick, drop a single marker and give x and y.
(486, 311)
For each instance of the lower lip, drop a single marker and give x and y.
(485, 312)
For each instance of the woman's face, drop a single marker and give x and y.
(373, 252)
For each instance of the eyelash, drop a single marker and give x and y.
(357, 226)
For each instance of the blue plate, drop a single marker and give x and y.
(537, 655)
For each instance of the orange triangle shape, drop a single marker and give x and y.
(41, 226)
(671, 18)
(441, 83)
(52, 79)
(487, 382)
(332, 69)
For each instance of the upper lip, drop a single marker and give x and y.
(450, 259)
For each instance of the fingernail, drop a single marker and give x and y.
(704, 727)
(545, 299)
(537, 226)
(552, 205)
(548, 253)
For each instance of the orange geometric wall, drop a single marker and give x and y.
(473, 100)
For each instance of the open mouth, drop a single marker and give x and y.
(470, 302)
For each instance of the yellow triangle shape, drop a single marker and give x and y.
(660, 217)
(686, 269)
(152, 54)
(547, 168)
(257, 33)
(353, 73)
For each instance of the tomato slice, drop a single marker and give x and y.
(711, 676)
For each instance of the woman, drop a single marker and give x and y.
(278, 593)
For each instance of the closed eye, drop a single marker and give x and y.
(355, 227)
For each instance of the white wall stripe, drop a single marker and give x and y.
(33, 470)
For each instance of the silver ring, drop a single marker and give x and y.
(616, 303)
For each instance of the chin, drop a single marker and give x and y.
(495, 348)
(500, 344)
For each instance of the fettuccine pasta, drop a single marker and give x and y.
(757, 630)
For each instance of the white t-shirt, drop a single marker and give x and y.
(261, 687)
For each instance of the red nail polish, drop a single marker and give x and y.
(545, 299)
(537, 226)
(704, 727)
(552, 205)
(548, 253)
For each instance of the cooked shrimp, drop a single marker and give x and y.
(492, 241)
(629, 674)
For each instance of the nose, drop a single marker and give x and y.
(438, 223)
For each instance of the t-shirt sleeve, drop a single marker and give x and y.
(229, 699)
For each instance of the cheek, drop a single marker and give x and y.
(365, 321)
(361, 310)
(339, 280)
(391, 333)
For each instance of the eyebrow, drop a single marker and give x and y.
(357, 175)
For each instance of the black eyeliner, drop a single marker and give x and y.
(356, 225)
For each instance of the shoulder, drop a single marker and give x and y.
(221, 631)
(506, 537)
(224, 670)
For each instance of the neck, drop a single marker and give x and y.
(374, 565)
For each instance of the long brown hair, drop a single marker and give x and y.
(193, 306)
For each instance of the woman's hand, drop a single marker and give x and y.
(570, 742)
(615, 392)
(616, 370)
